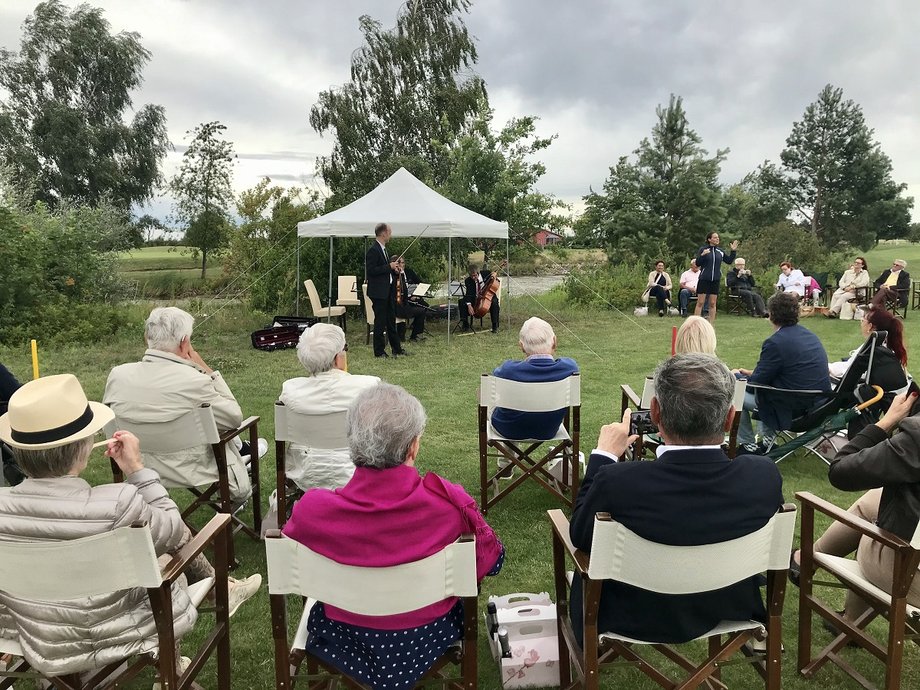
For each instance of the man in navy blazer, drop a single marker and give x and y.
(793, 358)
(692, 494)
(538, 342)
(380, 269)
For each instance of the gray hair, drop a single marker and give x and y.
(381, 424)
(694, 392)
(900, 262)
(166, 327)
(52, 462)
(537, 336)
(318, 347)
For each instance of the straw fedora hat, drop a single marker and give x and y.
(51, 411)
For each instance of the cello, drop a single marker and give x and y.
(489, 291)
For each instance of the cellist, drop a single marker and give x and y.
(474, 287)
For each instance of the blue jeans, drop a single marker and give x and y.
(745, 428)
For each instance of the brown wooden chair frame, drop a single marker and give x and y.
(896, 306)
(595, 654)
(322, 675)
(215, 532)
(520, 456)
(900, 626)
(221, 502)
(733, 302)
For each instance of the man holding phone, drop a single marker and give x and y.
(692, 494)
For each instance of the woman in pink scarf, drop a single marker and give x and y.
(388, 514)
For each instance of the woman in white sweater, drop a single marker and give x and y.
(659, 287)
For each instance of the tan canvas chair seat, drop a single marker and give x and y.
(723, 628)
(562, 434)
(294, 569)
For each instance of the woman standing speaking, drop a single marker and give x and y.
(710, 259)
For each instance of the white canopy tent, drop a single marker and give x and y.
(411, 208)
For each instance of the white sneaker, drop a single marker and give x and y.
(184, 663)
(263, 447)
(241, 590)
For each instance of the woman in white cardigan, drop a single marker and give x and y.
(659, 287)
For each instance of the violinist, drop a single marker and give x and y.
(380, 269)
(408, 307)
(475, 287)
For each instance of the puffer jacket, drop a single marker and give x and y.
(77, 635)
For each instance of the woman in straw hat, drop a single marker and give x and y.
(50, 425)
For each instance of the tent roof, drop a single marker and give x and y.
(410, 207)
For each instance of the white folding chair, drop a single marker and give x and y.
(319, 311)
(564, 444)
(320, 431)
(295, 569)
(347, 292)
(621, 555)
(122, 559)
(196, 430)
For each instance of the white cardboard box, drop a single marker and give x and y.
(531, 623)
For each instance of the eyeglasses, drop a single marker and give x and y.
(345, 349)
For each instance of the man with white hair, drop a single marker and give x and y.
(896, 280)
(327, 389)
(171, 380)
(538, 342)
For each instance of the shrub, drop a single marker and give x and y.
(618, 286)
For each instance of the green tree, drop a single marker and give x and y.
(411, 92)
(663, 204)
(63, 132)
(839, 178)
(202, 189)
(755, 203)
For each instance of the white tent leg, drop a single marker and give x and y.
(508, 277)
(450, 270)
(297, 282)
(329, 312)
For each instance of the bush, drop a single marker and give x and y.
(618, 286)
(788, 242)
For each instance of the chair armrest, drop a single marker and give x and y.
(838, 514)
(630, 394)
(789, 391)
(561, 532)
(231, 433)
(184, 556)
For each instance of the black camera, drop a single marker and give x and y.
(640, 423)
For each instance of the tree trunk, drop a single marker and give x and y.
(204, 263)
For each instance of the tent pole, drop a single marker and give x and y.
(508, 275)
(450, 272)
(329, 310)
(297, 282)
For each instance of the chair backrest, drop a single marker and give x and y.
(58, 570)
(368, 306)
(348, 287)
(295, 569)
(315, 301)
(530, 397)
(190, 430)
(738, 397)
(314, 430)
(619, 554)
(861, 363)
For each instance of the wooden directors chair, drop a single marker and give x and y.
(197, 429)
(903, 619)
(295, 569)
(321, 431)
(104, 563)
(563, 446)
(621, 555)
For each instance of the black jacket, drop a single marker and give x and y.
(903, 284)
(736, 282)
(379, 274)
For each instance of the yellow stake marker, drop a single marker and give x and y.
(35, 373)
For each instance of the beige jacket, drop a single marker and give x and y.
(327, 392)
(162, 387)
(77, 635)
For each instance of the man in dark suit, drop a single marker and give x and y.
(473, 287)
(692, 494)
(380, 269)
(896, 279)
(792, 358)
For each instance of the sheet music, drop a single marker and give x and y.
(421, 289)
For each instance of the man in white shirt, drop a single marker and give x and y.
(688, 281)
(329, 388)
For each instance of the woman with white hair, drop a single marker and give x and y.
(387, 515)
(328, 388)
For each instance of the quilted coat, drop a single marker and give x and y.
(77, 635)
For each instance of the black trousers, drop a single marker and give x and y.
(465, 314)
(413, 312)
(385, 320)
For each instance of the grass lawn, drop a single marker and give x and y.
(610, 348)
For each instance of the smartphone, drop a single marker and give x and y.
(640, 423)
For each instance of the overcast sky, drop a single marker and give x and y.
(593, 71)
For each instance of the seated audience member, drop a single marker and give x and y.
(51, 425)
(688, 281)
(791, 280)
(696, 334)
(854, 279)
(538, 342)
(408, 307)
(388, 514)
(896, 280)
(890, 469)
(792, 358)
(171, 380)
(672, 501)
(740, 281)
(8, 385)
(328, 388)
(659, 287)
